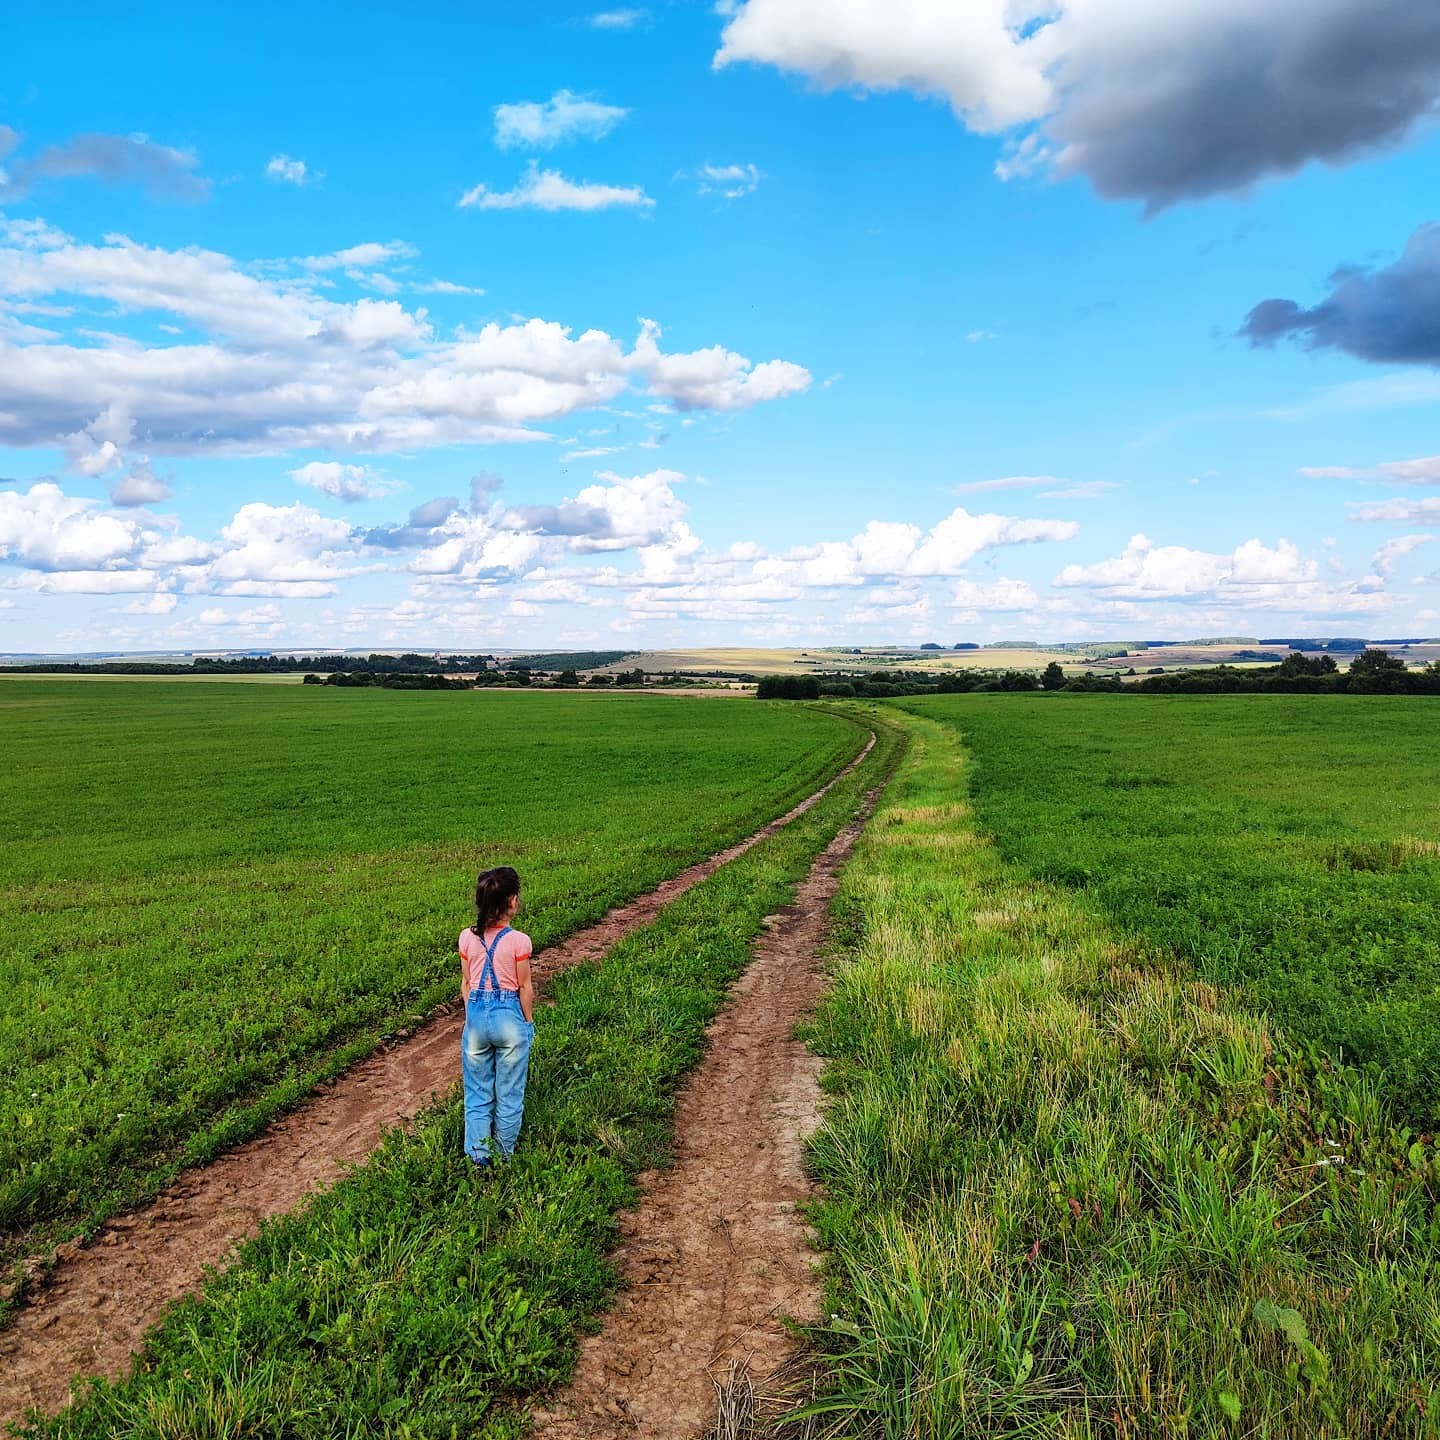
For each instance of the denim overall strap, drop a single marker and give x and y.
(487, 971)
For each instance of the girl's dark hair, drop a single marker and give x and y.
(493, 891)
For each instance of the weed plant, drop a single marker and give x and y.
(416, 1299)
(1283, 845)
(213, 896)
(1073, 1190)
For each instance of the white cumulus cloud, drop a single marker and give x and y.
(715, 378)
(1003, 594)
(277, 366)
(349, 483)
(1391, 551)
(550, 190)
(1254, 576)
(139, 486)
(279, 551)
(45, 529)
(161, 603)
(289, 171)
(544, 124)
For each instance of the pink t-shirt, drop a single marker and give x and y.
(514, 947)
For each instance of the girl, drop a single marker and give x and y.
(499, 1002)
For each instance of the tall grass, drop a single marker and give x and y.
(1280, 845)
(1073, 1191)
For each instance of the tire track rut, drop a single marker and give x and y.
(716, 1255)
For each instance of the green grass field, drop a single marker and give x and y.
(212, 896)
(415, 1300)
(1094, 1165)
(1071, 1189)
(1289, 848)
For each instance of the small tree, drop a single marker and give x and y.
(1377, 670)
(1297, 666)
(788, 687)
(1052, 677)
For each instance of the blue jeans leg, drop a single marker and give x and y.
(477, 1070)
(513, 1036)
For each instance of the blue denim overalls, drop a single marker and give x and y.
(494, 1060)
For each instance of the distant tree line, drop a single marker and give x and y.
(887, 684)
(390, 680)
(570, 660)
(788, 687)
(409, 663)
(515, 677)
(265, 665)
(1372, 672)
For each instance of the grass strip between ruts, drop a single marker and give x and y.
(416, 1299)
(1072, 1191)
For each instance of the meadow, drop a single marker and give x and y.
(212, 897)
(1083, 1173)
(1284, 848)
(416, 1299)
(1072, 1188)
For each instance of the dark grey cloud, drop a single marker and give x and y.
(1390, 315)
(1148, 100)
(163, 172)
(434, 512)
(569, 518)
(1241, 94)
(418, 531)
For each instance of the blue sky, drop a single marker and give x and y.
(850, 322)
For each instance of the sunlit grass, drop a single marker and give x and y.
(1285, 847)
(1072, 1190)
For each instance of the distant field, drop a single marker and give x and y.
(1073, 661)
(1285, 845)
(996, 659)
(809, 662)
(1174, 657)
(709, 662)
(207, 892)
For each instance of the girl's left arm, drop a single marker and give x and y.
(527, 988)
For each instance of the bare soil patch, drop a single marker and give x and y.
(88, 1315)
(717, 1256)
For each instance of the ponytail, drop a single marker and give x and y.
(494, 890)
